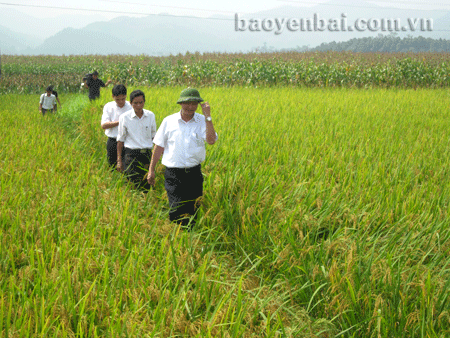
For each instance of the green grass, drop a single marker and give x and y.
(324, 214)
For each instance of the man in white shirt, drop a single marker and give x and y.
(137, 128)
(47, 101)
(110, 121)
(181, 141)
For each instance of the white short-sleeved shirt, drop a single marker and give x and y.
(111, 113)
(135, 132)
(183, 142)
(47, 102)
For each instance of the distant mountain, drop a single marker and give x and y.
(82, 41)
(351, 10)
(14, 43)
(167, 34)
(43, 28)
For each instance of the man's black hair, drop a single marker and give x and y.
(136, 93)
(49, 89)
(119, 89)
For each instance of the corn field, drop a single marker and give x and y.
(32, 74)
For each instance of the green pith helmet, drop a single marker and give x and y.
(190, 94)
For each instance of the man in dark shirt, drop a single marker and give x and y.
(54, 92)
(94, 84)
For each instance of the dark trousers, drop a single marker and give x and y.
(136, 162)
(111, 151)
(184, 187)
(46, 110)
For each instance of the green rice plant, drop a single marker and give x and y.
(341, 193)
(324, 214)
(84, 255)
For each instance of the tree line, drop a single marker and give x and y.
(382, 43)
(387, 43)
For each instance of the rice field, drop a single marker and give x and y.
(325, 214)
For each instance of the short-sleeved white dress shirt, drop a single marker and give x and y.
(111, 113)
(47, 102)
(183, 142)
(135, 132)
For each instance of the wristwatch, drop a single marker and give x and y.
(209, 119)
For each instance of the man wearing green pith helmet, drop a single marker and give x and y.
(180, 140)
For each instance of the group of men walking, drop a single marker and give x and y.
(47, 101)
(135, 146)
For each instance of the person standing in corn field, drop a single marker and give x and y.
(181, 141)
(93, 83)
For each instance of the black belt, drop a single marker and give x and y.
(141, 151)
(187, 170)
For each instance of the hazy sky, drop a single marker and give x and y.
(183, 7)
(175, 7)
